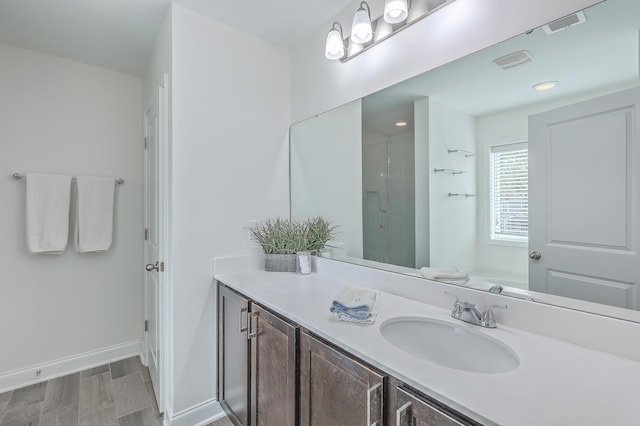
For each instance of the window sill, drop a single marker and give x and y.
(507, 243)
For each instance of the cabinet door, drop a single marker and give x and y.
(233, 355)
(411, 410)
(273, 369)
(335, 389)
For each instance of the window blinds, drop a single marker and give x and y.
(509, 192)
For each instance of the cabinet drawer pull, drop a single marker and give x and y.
(372, 390)
(252, 332)
(243, 310)
(401, 412)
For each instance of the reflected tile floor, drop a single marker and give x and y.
(221, 422)
(116, 394)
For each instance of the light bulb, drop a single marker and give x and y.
(395, 11)
(361, 31)
(334, 47)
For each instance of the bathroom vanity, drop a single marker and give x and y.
(268, 362)
(284, 359)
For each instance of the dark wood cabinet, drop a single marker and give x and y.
(257, 363)
(335, 389)
(274, 369)
(233, 355)
(406, 407)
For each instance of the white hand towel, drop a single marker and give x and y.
(47, 213)
(435, 274)
(356, 305)
(94, 214)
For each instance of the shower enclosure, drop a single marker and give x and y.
(388, 184)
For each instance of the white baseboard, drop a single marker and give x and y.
(64, 366)
(198, 415)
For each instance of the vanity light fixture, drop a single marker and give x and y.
(361, 31)
(398, 15)
(545, 85)
(395, 11)
(401, 123)
(334, 47)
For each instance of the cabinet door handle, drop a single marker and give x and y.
(372, 390)
(243, 310)
(401, 412)
(252, 332)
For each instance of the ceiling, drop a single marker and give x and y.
(119, 34)
(600, 53)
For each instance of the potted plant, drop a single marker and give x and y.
(319, 232)
(281, 239)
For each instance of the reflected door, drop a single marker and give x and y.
(584, 184)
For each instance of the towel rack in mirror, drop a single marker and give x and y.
(19, 176)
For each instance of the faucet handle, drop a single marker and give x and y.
(487, 316)
(457, 305)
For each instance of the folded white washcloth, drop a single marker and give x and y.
(356, 305)
(94, 214)
(47, 213)
(436, 274)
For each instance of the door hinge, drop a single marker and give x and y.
(146, 325)
(146, 234)
(146, 142)
(161, 267)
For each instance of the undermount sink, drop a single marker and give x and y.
(450, 345)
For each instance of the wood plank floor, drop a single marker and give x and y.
(221, 422)
(116, 394)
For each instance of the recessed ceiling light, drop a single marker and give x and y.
(545, 85)
(401, 123)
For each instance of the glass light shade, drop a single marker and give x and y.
(334, 47)
(395, 11)
(361, 31)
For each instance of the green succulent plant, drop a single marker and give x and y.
(319, 232)
(286, 236)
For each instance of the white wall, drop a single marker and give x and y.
(60, 116)
(459, 29)
(452, 222)
(231, 114)
(422, 182)
(158, 64)
(326, 172)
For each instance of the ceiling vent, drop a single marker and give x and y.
(564, 23)
(514, 59)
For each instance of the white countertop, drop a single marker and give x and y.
(556, 383)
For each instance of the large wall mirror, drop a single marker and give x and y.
(515, 169)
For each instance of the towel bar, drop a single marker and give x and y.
(19, 176)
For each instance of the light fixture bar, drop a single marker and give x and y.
(382, 30)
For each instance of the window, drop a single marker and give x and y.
(509, 192)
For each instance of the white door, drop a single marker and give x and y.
(584, 200)
(154, 220)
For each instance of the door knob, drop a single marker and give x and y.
(150, 267)
(535, 255)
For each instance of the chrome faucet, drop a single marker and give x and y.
(467, 312)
